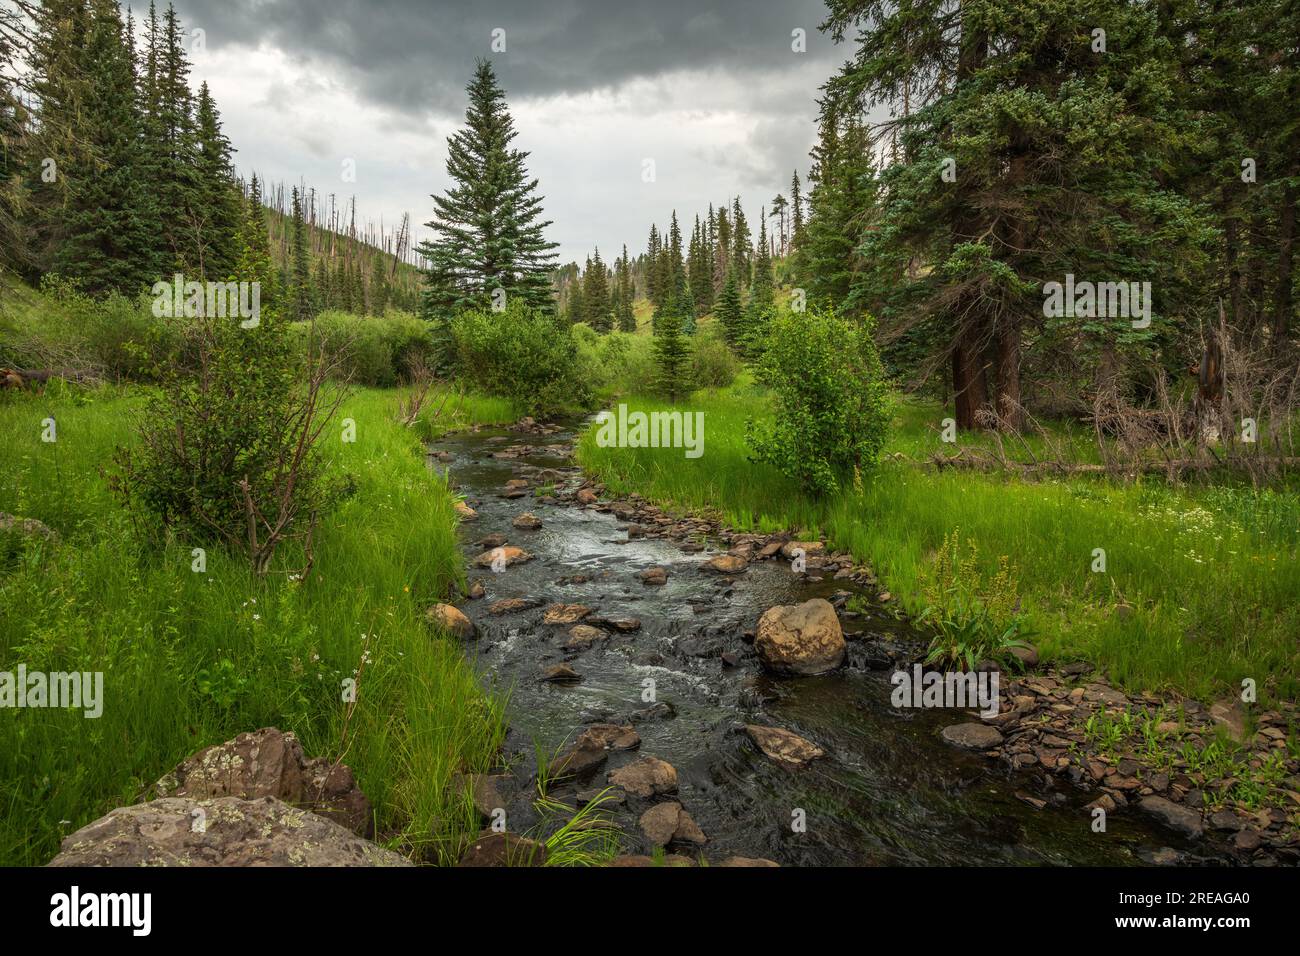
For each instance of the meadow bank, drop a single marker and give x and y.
(1198, 591)
(191, 658)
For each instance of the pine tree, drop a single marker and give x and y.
(796, 212)
(487, 227)
(652, 266)
(301, 306)
(672, 352)
(171, 143)
(254, 262)
(109, 221)
(597, 308)
(740, 254)
(625, 314)
(728, 311)
(217, 206)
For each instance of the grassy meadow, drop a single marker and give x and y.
(191, 659)
(1200, 585)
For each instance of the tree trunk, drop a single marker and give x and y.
(1282, 303)
(968, 385)
(1008, 346)
(968, 378)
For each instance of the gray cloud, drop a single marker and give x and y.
(416, 56)
(714, 94)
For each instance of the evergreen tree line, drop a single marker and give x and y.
(114, 174)
(721, 269)
(1111, 141)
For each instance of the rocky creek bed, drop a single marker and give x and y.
(632, 644)
(729, 709)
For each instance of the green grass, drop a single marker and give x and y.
(1211, 574)
(191, 659)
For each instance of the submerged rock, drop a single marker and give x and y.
(788, 749)
(972, 736)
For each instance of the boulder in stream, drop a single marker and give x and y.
(801, 639)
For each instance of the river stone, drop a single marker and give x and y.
(787, 749)
(503, 849)
(565, 613)
(476, 591)
(645, 777)
(586, 496)
(659, 823)
(612, 736)
(809, 548)
(634, 859)
(451, 619)
(655, 576)
(1228, 713)
(510, 605)
(515, 484)
(725, 564)
(490, 541)
(1185, 821)
(804, 639)
(527, 521)
(465, 512)
(582, 636)
(270, 763)
(1027, 655)
(560, 673)
(667, 823)
(509, 554)
(747, 861)
(225, 831)
(485, 789)
(972, 736)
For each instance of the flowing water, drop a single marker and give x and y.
(889, 790)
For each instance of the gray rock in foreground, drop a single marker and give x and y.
(226, 831)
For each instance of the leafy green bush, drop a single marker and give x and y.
(227, 450)
(111, 336)
(833, 404)
(713, 364)
(617, 363)
(372, 350)
(522, 354)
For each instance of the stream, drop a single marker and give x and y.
(888, 791)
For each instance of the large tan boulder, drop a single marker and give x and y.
(803, 639)
(451, 619)
(226, 831)
(270, 763)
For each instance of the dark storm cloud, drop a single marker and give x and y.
(416, 56)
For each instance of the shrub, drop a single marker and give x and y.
(228, 450)
(713, 364)
(975, 619)
(832, 403)
(371, 350)
(522, 354)
(616, 363)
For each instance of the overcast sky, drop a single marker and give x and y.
(711, 92)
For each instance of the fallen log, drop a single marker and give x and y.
(941, 461)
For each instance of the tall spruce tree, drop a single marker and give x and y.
(596, 303)
(109, 222)
(216, 198)
(488, 233)
(301, 305)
